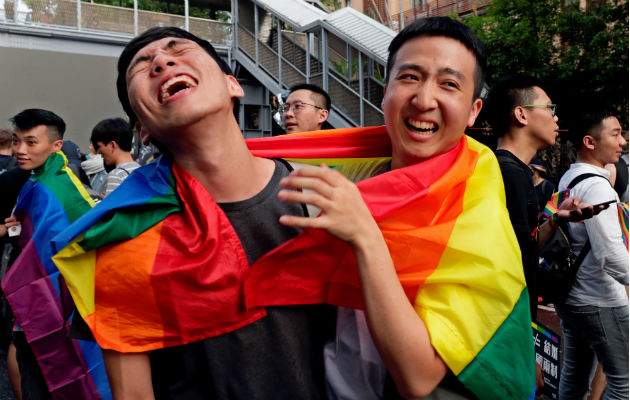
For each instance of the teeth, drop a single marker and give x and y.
(426, 126)
(182, 79)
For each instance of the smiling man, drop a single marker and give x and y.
(306, 108)
(595, 314)
(438, 192)
(49, 201)
(175, 325)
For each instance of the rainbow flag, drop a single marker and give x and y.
(48, 203)
(185, 281)
(174, 291)
(538, 167)
(622, 212)
(451, 240)
(553, 205)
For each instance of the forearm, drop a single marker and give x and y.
(129, 375)
(604, 234)
(399, 333)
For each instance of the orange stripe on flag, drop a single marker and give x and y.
(115, 322)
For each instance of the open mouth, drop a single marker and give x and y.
(174, 86)
(422, 127)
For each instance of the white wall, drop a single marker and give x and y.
(80, 88)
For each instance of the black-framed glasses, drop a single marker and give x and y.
(297, 107)
(552, 107)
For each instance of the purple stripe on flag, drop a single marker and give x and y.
(37, 308)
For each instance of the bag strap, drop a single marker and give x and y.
(580, 178)
(587, 245)
(582, 255)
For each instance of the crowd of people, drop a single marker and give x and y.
(222, 270)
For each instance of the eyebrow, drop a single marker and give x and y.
(419, 68)
(172, 43)
(24, 137)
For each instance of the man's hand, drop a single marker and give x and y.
(400, 335)
(574, 209)
(344, 213)
(8, 223)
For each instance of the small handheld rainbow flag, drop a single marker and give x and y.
(622, 212)
(553, 205)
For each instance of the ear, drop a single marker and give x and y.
(588, 142)
(57, 145)
(234, 88)
(520, 115)
(475, 109)
(323, 116)
(143, 135)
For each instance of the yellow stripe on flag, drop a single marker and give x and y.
(480, 275)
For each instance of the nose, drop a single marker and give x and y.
(424, 98)
(555, 118)
(288, 111)
(161, 62)
(622, 141)
(18, 148)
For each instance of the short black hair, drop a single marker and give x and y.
(113, 129)
(32, 117)
(149, 36)
(504, 96)
(587, 122)
(314, 89)
(447, 27)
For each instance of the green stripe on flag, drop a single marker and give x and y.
(56, 179)
(505, 367)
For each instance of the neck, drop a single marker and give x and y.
(585, 156)
(519, 145)
(123, 157)
(219, 159)
(6, 152)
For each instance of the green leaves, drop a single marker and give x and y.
(564, 44)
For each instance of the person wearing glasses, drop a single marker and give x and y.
(306, 108)
(524, 120)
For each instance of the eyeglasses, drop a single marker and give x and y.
(297, 107)
(552, 107)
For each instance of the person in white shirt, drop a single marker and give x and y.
(595, 315)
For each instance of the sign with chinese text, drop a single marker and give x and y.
(547, 347)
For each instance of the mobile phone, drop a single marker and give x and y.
(595, 207)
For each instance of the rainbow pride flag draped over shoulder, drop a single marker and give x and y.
(178, 276)
(49, 201)
(450, 237)
(156, 264)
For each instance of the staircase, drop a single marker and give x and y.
(284, 43)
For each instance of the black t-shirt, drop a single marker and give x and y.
(279, 356)
(522, 205)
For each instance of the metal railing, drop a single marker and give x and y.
(84, 16)
(442, 8)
